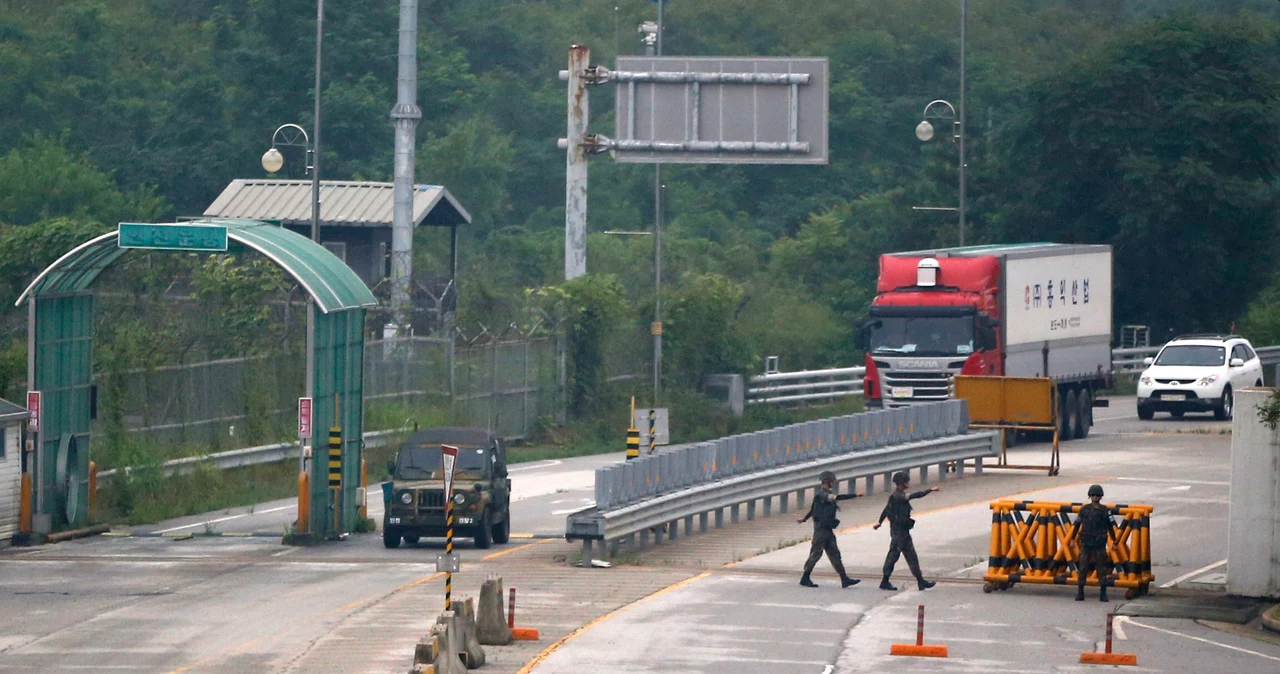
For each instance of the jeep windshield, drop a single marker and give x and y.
(424, 463)
(922, 335)
(1193, 355)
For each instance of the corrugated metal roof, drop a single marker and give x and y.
(10, 410)
(327, 279)
(342, 203)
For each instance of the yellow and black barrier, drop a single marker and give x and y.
(633, 434)
(1013, 404)
(1035, 542)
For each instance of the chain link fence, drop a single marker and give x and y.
(503, 380)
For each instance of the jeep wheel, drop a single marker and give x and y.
(484, 533)
(502, 531)
(411, 540)
(390, 538)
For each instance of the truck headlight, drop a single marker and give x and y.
(459, 498)
(406, 498)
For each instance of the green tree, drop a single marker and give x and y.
(1160, 142)
(591, 305)
(701, 331)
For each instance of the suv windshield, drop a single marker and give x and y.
(1195, 356)
(423, 463)
(923, 335)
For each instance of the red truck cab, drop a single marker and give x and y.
(931, 319)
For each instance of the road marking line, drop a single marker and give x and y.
(1195, 573)
(1179, 482)
(1118, 627)
(224, 519)
(548, 463)
(828, 669)
(515, 549)
(1203, 640)
(537, 659)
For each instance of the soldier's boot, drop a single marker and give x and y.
(1080, 593)
(885, 585)
(846, 581)
(1103, 595)
(804, 580)
(924, 584)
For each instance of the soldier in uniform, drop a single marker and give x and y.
(898, 512)
(1093, 527)
(823, 511)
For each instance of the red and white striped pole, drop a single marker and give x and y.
(1109, 617)
(920, 629)
(511, 609)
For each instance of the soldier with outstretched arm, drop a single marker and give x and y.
(898, 512)
(823, 512)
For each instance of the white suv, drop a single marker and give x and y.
(1197, 373)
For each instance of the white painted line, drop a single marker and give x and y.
(1179, 482)
(536, 464)
(1117, 627)
(571, 510)
(1181, 487)
(224, 519)
(1202, 640)
(828, 669)
(1195, 573)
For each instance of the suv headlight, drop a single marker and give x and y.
(459, 498)
(1205, 381)
(1145, 380)
(406, 497)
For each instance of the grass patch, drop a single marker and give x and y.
(145, 495)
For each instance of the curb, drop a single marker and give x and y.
(78, 533)
(1271, 618)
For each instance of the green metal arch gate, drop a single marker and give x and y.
(60, 356)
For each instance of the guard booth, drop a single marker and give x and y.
(60, 358)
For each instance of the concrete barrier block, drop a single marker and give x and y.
(466, 619)
(450, 657)
(426, 651)
(491, 623)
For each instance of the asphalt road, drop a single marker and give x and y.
(155, 604)
(754, 617)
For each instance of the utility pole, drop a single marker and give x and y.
(964, 11)
(405, 116)
(656, 328)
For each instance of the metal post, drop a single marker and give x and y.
(37, 467)
(315, 131)
(575, 212)
(656, 329)
(964, 10)
(405, 116)
(448, 548)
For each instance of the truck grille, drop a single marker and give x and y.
(924, 385)
(431, 499)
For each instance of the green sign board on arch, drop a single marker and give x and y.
(208, 238)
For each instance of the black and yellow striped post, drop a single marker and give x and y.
(448, 549)
(653, 436)
(335, 474)
(633, 434)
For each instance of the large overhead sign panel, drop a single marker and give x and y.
(720, 110)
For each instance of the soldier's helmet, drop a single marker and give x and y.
(901, 477)
(1095, 490)
(826, 476)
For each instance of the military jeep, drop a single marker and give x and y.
(415, 499)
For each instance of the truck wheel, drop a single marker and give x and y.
(390, 539)
(1226, 407)
(484, 533)
(1146, 413)
(1085, 419)
(1067, 416)
(502, 531)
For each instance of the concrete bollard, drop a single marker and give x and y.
(426, 652)
(466, 618)
(423, 669)
(449, 659)
(491, 623)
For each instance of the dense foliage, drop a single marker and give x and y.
(1150, 125)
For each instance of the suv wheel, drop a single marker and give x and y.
(502, 532)
(484, 533)
(1146, 412)
(1226, 407)
(390, 538)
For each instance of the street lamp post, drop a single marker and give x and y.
(924, 131)
(652, 39)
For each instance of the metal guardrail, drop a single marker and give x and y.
(706, 478)
(780, 387)
(239, 458)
